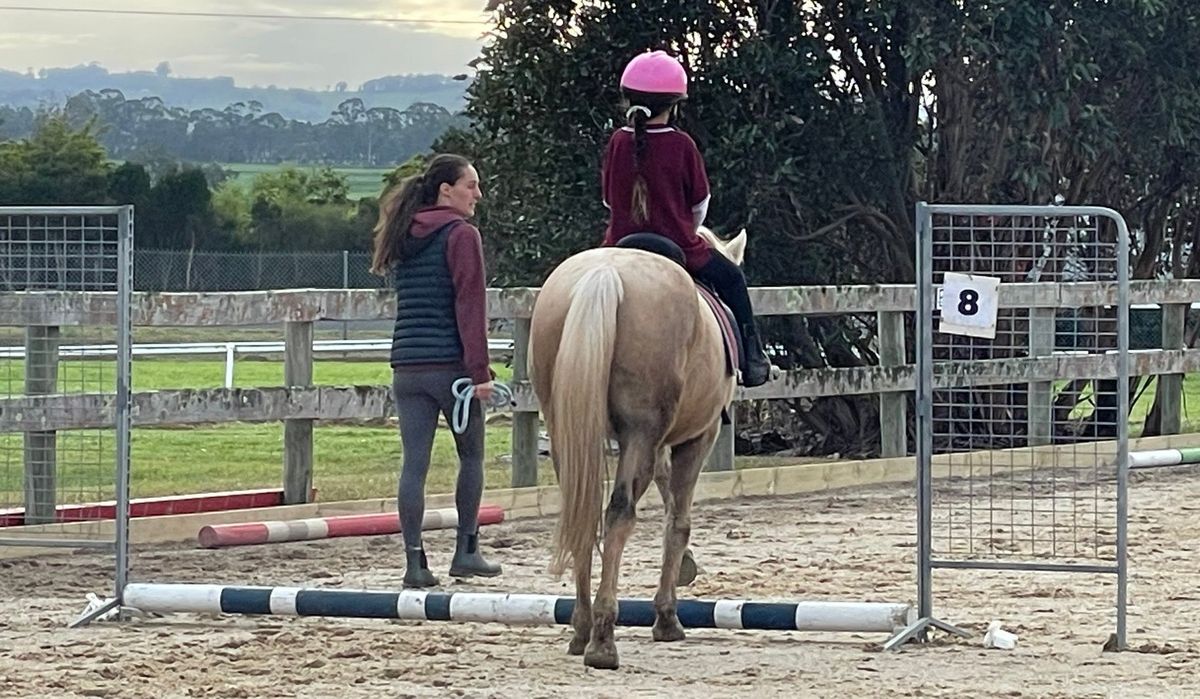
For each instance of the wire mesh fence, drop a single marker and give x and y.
(197, 271)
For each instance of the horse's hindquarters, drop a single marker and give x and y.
(621, 342)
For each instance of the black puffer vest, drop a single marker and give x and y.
(426, 330)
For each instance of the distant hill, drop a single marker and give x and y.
(57, 85)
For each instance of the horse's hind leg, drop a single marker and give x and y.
(581, 616)
(635, 470)
(662, 469)
(687, 460)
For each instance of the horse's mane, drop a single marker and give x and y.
(708, 235)
(734, 248)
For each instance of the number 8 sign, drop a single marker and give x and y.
(968, 304)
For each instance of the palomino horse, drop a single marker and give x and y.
(622, 344)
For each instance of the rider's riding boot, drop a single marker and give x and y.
(467, 560)
(417, 573)
(756, 367)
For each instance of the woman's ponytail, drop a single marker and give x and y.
(393, 238)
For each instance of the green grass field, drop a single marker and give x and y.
(364, 182)
(350, 461)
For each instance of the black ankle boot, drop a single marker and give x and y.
(467, 561)
(756, 368)
(417, 573)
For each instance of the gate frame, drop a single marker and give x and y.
(926, 293)
(122, 423)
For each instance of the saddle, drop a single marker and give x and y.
(730, 334)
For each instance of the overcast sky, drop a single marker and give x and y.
(312, 54)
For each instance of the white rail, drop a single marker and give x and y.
(229, 349)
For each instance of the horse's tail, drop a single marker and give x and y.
(579, 403)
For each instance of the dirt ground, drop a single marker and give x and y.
(848, 546)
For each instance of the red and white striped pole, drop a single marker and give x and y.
(220, 535)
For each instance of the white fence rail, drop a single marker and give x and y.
(231, 349)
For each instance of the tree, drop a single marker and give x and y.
(16, 122)
(296, 210)
(823, 123)
(231, 207)
(244, 131)
(58, 165)
(129, 183)
(179, 214)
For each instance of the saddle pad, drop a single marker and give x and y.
(728, 332)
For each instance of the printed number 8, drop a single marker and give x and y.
(968, 302)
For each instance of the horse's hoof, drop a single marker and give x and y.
(687, 570)
(602, 657)
(577, 646)
(668, 632)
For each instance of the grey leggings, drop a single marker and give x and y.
(419, 397)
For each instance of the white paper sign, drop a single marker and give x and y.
(969, 303)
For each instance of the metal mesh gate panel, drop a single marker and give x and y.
(65, 288)
(1023, 391)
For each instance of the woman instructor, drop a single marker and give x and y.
(435, 258)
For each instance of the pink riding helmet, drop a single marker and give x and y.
(655, 72)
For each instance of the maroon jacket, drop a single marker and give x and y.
(677, 189)
(464, 257)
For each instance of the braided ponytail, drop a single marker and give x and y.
(637, 116)
(643, 106)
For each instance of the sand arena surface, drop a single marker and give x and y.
(842, 546)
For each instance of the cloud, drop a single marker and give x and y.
(445, 11)
(44, 40)
(255, 51)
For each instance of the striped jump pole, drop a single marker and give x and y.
(1160, 458)
(220, 535)
(511, 609)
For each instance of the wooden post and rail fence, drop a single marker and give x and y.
(40, 413)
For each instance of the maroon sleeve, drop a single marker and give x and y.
(697, 175)
(464, 255)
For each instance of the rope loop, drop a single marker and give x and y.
(464, 391)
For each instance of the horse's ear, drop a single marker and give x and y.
(735, 249)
